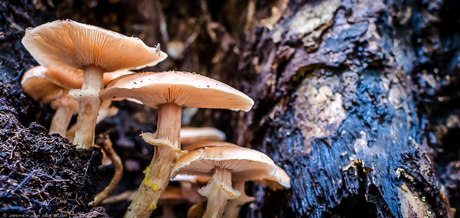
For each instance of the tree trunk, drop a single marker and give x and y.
(354, 99)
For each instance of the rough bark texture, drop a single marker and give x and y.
(356, 100)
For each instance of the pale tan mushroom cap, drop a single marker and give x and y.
(194, 135)
(65, 45)
(181, 88)
(37, 86)
(45, 85)
(244, 164)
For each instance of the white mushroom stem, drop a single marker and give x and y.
(218, 191)
(234, 206)
(157, 173)
(89, 103)
(65, 109)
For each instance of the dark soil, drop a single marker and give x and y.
(40, 173)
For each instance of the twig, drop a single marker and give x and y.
(125, 196)
(107, 146)
(19, 186)
(23, 181)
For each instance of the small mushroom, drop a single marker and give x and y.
(224, 164)
(190, 136)
(41, 85)
(278, 180)
(169, 92)
(66, 46)
(36, 84)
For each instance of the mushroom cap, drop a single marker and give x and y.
(66, 45)
(36, 85)
(207, 144)
(181, 88)
(244, 163)
(194, 135)
(46, 86)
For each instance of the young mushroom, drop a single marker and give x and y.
(224, 164)
(36, 84)
(169, 92)
(66, 46)
(41, 85)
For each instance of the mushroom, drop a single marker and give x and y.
(38, 82)
(224, 164)
(189, 136)
(279, 180)
(169, 92)
(66, 46)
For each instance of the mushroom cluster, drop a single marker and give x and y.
(84, 66)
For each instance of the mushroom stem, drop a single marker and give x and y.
(157, 173)
(64, 112)
(234, 206)
(218, 192)
(89, 103)
(107, 146)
